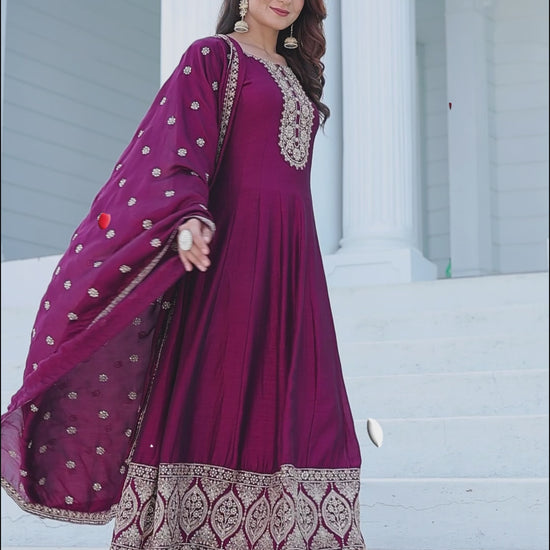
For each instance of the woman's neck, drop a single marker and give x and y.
(263, 39)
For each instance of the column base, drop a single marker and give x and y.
(377, 267)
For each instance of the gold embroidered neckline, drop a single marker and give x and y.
(297, 118)
(267, 61)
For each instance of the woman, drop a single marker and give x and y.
(203, 406)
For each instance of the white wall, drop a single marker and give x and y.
(517, 64)
(519, 120)
(430, 32)
(79, 76)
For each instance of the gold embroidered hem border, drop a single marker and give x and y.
(201, 507)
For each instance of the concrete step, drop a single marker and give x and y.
(510, 393)
(444, 294)
(403, 514)
(455, 514)
(22, 530)
(430, 355)
(369, 325)
(482, 446)
(32, 275)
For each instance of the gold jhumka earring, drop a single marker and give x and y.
(290, 42)
(242, 26)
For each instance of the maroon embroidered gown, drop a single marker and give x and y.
(243, 436)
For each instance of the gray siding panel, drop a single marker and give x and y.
(79, 77)
(520, 120)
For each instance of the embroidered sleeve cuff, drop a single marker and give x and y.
(204, 220)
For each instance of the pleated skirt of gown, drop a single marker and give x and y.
(246, 438)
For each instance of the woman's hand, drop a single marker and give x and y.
(198, 254)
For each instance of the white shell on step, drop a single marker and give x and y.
(375, 432)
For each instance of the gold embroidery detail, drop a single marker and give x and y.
(177, 505)
(230, 92)
(297, 117)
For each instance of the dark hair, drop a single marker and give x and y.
(305, 61)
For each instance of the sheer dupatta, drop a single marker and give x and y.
(68, 431)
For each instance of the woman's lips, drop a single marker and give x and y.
(282, 13)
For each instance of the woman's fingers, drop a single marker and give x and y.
(207, 234)
(197, 256)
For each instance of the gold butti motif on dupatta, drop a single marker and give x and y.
(297, 116)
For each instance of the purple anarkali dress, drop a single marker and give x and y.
(201, 410)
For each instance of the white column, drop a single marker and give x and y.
(379, 203)
(182, 22)
(326, 172)
(468, 131)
